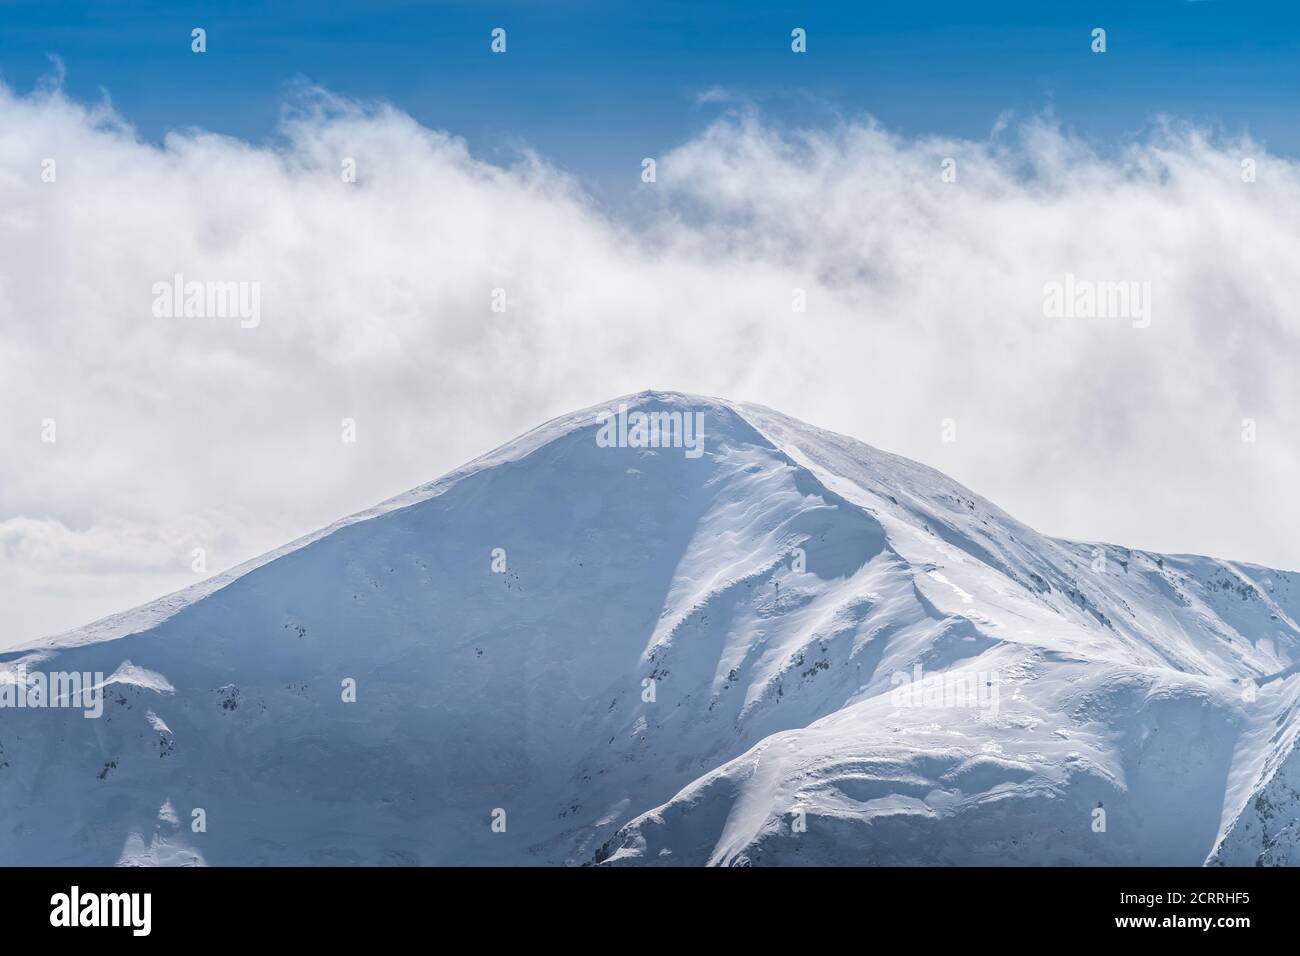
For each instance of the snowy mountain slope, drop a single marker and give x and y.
(1158, 654)
(685, 660)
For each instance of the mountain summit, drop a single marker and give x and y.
(671, 630)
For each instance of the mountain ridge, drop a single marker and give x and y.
(771, 592)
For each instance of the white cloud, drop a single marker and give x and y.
(924, 302)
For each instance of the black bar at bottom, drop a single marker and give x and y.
(332, 905)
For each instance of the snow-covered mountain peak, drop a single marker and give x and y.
(669, 628)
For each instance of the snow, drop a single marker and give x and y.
(653, 679)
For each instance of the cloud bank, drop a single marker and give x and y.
(924, 303)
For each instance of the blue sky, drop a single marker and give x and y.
(596, 86)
